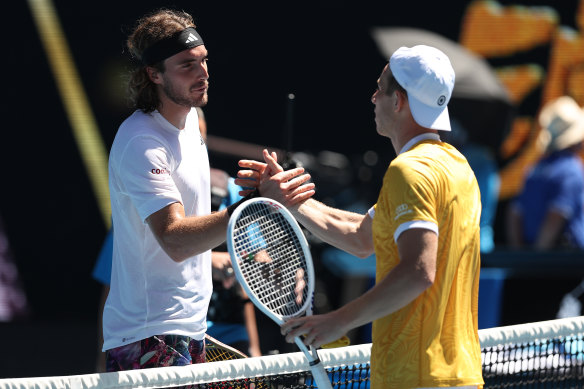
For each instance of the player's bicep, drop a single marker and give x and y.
(365, 233)
(418, 250)
(163, 224)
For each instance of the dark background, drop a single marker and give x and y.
(259, 52)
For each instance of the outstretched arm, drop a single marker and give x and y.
(182, 236)
(346, 230)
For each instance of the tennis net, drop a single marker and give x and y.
(537, 355)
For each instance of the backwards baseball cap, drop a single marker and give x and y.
(427, 75)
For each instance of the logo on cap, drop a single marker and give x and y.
(441, 100)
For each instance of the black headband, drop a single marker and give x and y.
(174, 44)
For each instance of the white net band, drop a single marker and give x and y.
(199, 373)
(551, 352)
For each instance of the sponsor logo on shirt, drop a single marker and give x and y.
(401, 210)
(159, 171)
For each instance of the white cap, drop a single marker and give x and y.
(427, 75)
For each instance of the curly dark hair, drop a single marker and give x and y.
(150, 29)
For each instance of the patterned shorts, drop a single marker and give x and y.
(156, 351)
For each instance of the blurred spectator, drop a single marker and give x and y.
(482, 161)
(549, 212)
(570, 305)
(13, 302)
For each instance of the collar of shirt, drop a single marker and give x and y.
(419, 138)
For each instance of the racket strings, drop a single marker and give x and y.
(275, 282)
(213, 354)
(271, 259)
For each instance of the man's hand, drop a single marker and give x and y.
(317, 329)
(288, 187)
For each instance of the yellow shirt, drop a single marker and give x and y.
(433, 341)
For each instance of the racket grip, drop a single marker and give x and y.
(319, 374)
(321, 378)
(312, 359)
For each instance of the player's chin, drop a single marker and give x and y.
(201, 102)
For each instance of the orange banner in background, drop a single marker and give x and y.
(495, 31)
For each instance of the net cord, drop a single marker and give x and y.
(525, 333)
(198, 373)
(276, 364)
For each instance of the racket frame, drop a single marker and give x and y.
(318, 372)
(236, 257)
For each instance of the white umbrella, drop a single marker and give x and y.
(475, 79)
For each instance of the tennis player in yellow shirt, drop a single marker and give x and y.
(424, 231)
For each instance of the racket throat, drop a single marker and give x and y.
(312, 354)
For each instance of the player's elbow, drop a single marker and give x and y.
(425, 278)
(178, 250)
(364, 246)
(361, 238)
(173, 247)
(363, 252)
(175, 252)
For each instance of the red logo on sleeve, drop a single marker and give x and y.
(159, 171)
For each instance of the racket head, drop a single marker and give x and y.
(271, 257)
(219, 351)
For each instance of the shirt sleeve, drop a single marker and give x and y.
(411, 198)
(146, 169)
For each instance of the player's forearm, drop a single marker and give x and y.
(189, 236)
(339, 228)
(399, 288)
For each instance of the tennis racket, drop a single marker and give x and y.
(272, 262)
(218, 351)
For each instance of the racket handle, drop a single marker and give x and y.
(319, 374)
(321, 378)
(312, 359)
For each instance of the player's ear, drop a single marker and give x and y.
(399, 99)
(153, 74)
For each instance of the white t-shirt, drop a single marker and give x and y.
(153, 164)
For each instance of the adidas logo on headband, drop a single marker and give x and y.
(191, 38)
(167, 47)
